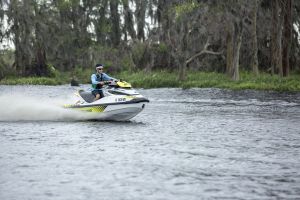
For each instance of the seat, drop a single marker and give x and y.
(87, 96)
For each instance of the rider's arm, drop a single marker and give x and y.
(94, 79)
(108, 78)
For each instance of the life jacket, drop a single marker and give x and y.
(99, 79)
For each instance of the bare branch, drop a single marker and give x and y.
(203, 51)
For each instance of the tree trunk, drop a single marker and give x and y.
(229, 52)
(254, 58)
(140, 16)
(234, 42)
(236, 59)
(276, 36)
(18, 52)
(100, 24)
(287, 36)
(163, 18)
(182, 70)
(128, 20)
(39, 67)
(115, 22)
(21, 29)
(182, 55)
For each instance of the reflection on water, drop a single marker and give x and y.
(186, 144)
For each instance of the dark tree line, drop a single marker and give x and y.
(208, 35)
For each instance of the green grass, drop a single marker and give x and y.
(212, 79)
(30, 81)
(155, 79)
(158, 79)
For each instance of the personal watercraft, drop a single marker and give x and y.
(120, 102)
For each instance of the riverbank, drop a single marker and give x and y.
(158, 79)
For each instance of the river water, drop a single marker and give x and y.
(186, 144)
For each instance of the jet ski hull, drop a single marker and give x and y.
(117, 112)
(121, 112)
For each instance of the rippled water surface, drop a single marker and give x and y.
(187, 144)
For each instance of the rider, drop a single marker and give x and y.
(98, 80)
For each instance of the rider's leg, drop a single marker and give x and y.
(97, 97)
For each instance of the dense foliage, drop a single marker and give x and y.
(45, 36)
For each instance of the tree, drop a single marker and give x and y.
(115, 23)
(129, 23)
(140, 14)
(234, 42)
(186, 37)
(276, 37)
(254, 49)
(235, 13)
(287, 36)
(101, 22)
(39, 66)
(20, 15)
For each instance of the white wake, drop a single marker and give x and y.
(24, 108)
